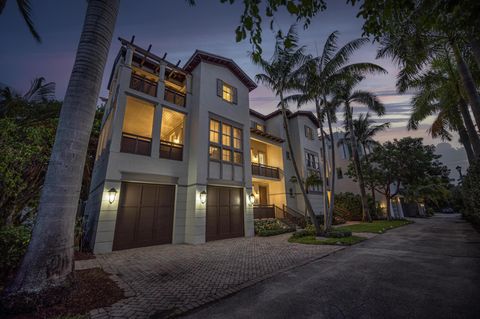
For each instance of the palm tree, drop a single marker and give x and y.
(348, 97)
(364, 133)
(280, 75)
(48, 261)
(320, 78)
(25, 10)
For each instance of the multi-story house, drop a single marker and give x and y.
(182, 158)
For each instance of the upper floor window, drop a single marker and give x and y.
(226, 92)
(258, 126)
(225, 142)
(137, 127)
(312, 160)
(172, 134)
(308, 132)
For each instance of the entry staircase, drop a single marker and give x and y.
(288, 215)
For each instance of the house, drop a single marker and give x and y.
(182, 158)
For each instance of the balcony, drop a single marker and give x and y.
(171, 150)
(144, 85)
(265, 171)
(174, 97)
(136, 144)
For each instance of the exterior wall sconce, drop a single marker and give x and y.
(251, 198)
(112, 194)
(203, 197)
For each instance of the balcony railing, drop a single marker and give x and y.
(263, 211)
(171, 150)
(136, 144)
(265, 170)
(143, 85)
(174, 97)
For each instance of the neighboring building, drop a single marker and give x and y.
(181, 157)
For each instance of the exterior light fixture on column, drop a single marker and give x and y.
(251, 198)
(112, 194)
(203, 197)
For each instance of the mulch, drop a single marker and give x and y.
(90, 289)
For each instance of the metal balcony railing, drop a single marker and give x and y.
(174, 97)
(265, 171)
(135, 144)
(143, 85)
(171, 150)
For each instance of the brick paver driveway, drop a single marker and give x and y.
(167, 280)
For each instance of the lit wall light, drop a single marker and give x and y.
(203, 197)
(112, 194)
(251, 198)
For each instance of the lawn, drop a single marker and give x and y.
(312, 240)
(378, 226)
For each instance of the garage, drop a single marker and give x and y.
(145, 215)
(224, 213)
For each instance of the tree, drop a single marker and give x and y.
(321, 76)
(348, 97)
(49, 258)
(25, 10)
(280, 75)
(364, 133)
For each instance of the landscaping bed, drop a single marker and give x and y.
(377, 226)
(312, 240)
(91, 289)
(271, 227)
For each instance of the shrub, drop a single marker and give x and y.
(336, 233)
(350, 206)
(13, 244)
(271, 227)
(470, 192)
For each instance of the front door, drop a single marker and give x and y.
(263, 195)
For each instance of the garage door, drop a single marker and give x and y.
(224, 213)
(145, 215)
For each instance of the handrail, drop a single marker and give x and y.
(294, 215)
(171, 144)
(178, 98)
(265, 170)
(143, 84)
(264, 165)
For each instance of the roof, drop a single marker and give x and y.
(290, 115)
(267, 135)
(200, 56)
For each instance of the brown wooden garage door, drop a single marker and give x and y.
(145, 215)
(224, 213)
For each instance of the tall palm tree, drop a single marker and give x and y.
(26, 11)
(48, 261)
(365, 131)
(320, 78)
(346, 96)
(280, 75)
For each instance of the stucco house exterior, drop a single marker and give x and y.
(183, 159)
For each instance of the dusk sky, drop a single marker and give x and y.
(174, 27)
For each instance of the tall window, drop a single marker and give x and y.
(225, 142)
(137, 127)
(308, 132)
(172, 134)
(312, 160)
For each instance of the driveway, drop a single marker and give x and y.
(430, 269)
(166, 280)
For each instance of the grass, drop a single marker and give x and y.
(378, 226)
(312, 240)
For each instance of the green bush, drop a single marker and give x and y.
(271, 227)
(470, 192)
(350, 208)
(337, 233)
(13, 244)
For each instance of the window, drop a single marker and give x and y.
(137, 127)
(288, 155)
(226, 92)
(225, 142)
(312, 160)
(105, 134)
(315, 181)
(308, 132)
(257, 126)
(290, 190)
(339, 173)
(172, 134)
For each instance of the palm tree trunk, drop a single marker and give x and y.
(295, 167)
(469, 127)
(332, 185)
(324, 164)
(468, 83)
(465, 140)
(388, 199)
(356, 163)
(49, 258)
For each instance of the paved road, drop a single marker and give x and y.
(430, 269)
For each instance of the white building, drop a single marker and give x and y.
(183, 159)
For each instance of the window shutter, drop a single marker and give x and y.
(219, 87)
(234, 95)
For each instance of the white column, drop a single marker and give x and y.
(129, 56)
(157, 121)
(161, 81)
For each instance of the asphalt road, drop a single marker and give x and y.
(430, 269)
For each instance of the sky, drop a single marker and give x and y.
(176, 28)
